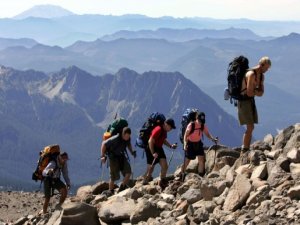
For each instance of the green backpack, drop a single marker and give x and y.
(115, 127)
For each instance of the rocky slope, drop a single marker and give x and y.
(260, 187)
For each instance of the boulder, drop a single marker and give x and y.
(113, 210)
(99, 187)
(283, 163)
(260, 171)
(269, 139)
(192, 196)
(295, 170)
(294, 192)
(75, 213)
(282, 138)
(294, 155)
(84, 192)
(274, 154)
(238, 194)
(260, 145)
(143, 211)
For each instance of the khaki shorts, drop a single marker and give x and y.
(247, 112)
(118, 165)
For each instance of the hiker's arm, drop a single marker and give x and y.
(132, 151)
(65, 174)
(250, 84)
(185, 138)
(209, 136)
(49, 170)
(103, 151)
(167, 143)
(151, 143)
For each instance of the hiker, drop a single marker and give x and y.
(52, 179)
(155, 152)
(115, 149)
(252, 85)
(193, 145)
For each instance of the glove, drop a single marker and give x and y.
(134, 154)
(215, 140)
(174, 146)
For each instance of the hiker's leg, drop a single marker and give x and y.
(201, 164)
(114, 170)
(126, 172)
(111, 184)
(46, 203)
(47, 193)
(63, 194)
(185, 164)
(164, 167)
(126, 179)
(248, 135)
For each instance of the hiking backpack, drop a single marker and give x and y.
(48, 154)
(155, 119)
(187, 117)
(236, 72)
(115, 127)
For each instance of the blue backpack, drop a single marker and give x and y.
(155, 119)
(188, 116)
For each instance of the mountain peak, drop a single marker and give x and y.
(44, 11)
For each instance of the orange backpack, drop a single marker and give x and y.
(46, 155)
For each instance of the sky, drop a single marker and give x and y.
(220, 9)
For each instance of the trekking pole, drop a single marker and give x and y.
(172, 155)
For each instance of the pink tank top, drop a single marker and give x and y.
(197, 134)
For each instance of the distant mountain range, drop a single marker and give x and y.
(72, 108)
(55, 26)
(44, 11)
(203, 61)
(24, 42)
(183, 35)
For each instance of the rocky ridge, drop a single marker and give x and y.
(255, 188)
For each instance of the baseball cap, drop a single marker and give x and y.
(171, 122)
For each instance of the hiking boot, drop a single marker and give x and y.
(181, 176)
(108, 193)
(202, 174)
(163, 183)
(147, 180)
(122, 187)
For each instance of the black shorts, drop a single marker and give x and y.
(50, 184)
(150, 158)
(194, 149)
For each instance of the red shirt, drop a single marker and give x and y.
(159, 135)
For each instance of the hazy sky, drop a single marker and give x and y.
(252, 9)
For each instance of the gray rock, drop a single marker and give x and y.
(20, 221)
(143, 211)
(114, 209)
(238, 194)
(274, 154)
(78, 213)
(269, 139)
(192, 195)
(294, 155)
(282, 138)
(283, 163)
(83, 192)
(295, 170)
(260, 171)
(294, 192)
(260, 145)
(99, 187)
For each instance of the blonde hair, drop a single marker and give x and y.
(265, 60)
